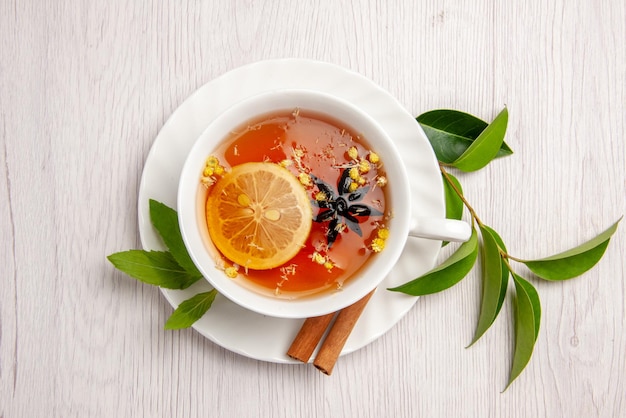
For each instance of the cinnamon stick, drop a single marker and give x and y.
(309, 337)
(338, 335)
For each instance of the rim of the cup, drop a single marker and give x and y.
(253, 109)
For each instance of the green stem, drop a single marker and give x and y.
(505, 256)
(458, 192)
(510, 257)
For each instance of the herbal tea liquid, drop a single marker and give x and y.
(345, 182)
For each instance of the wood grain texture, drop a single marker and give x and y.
(85, 88)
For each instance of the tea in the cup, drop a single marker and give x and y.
(295, 203)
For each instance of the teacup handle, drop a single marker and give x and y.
(440, 229)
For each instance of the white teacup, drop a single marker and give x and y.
(193, 222)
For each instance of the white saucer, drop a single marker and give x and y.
(248, 333)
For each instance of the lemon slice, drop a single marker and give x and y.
(258, 215)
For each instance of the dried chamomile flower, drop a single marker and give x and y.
(364, 166)
(212, 161)
(318, 258)
(353, 153)
(321, 196)
(383, 233)
(373, 158)
(378, 244)
(208, 171)
(305, 179)
(322, 260)
(212, 167)
(231, 272)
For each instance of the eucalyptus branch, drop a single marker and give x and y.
(467, 143)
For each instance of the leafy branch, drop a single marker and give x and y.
(466, 143)
(171, 269)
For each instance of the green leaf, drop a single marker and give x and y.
(157, 268)
(493, 281)
(451, 133)
(527, 320)
(575, 261)
(486, 146)
(446, 275)
(165, 220)
(454, 204)
(534, 298)
(505, 268)
(191, 310)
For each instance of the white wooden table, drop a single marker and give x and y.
(86, 86)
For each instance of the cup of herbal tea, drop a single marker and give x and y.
(296, 203)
